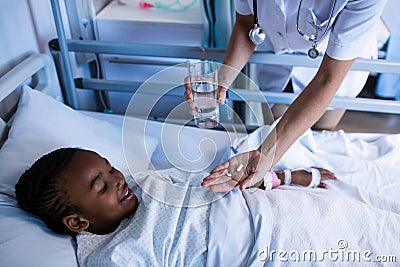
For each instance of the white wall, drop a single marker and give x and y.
(43, 22)
(17, 34)
(26, 27)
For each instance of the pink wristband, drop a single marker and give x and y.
(275, 180)
(271, 180)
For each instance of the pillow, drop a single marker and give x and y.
(26, 241)
(42, 124)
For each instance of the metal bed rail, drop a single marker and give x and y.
(184, 52)
(237, 94)
(40, 65)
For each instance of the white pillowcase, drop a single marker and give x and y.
(42, 124)
(26, 241)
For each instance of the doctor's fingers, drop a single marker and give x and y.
(217, 180)
(225, 183)
(235, 164)
(190, 105)
(220, 167)
(221, 175)
(188, 88)
(189, 96)
(221, 96)
(220, 184)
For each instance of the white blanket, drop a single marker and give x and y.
(344, 225)
(355, 222)
(368, 161)
(317, 227)
(341, 226)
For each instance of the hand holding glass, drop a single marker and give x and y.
(203, 77)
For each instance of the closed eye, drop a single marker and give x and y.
(108, 164)
(104, 189)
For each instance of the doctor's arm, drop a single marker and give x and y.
(308, 107)
(239, 50)
(301, 115)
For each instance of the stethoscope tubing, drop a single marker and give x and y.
(255, 13)
(298, 20)
(312, 52)
(314, 40)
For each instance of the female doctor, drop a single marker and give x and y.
(341, 30)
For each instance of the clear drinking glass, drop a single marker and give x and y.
(204, 81)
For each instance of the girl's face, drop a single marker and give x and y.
(98, 190)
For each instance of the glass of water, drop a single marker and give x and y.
(204, 82)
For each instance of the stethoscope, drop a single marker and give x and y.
(257, 33)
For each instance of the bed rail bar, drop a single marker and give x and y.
(36, 64)
(185, 52)
(358, 104)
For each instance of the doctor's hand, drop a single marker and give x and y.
(221, 95)
(188, 95)
(243, 170)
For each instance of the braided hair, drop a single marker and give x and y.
(38, 191)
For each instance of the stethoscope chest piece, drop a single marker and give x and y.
(257, 35)
(313, 52)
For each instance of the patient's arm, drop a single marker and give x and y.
(303, 178)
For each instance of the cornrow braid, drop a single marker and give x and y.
(38, 192)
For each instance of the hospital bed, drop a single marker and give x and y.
(42, 122)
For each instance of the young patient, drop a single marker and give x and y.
(77, 191)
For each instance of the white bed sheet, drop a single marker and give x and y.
(366, 194)
(369, 161)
